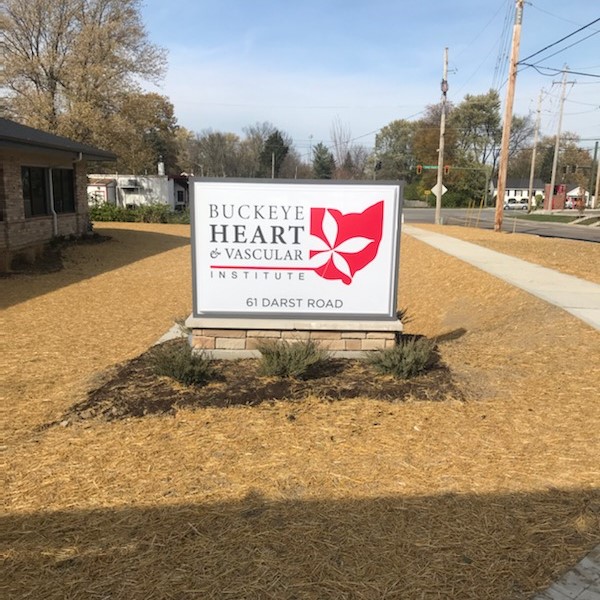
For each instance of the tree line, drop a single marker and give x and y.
(76, 67)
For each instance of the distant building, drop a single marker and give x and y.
(577, 196)
(519, 188)
(43, 190)
(129, 191)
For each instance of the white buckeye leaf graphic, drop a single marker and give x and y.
(329, 250)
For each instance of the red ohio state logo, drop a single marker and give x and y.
(346, 243)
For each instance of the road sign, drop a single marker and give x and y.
(429, 166)
(435, 187)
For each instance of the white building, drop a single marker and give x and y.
(130, 191)
(519, 188)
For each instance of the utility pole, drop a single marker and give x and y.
(534, 152)
(508, 110)
(440, 169)
(594, 164)
(596, 199)
(272, 165)
(557, 142)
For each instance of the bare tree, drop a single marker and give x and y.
(341, 139)
(67, 62)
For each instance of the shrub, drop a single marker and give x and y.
(179, 363)
(110, 212)
(411, 356)
(284, 359)
(152, 213)
(147, 213)
(179, 217)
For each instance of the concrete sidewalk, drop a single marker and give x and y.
(580, 583)
(579, 297)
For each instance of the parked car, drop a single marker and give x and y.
(516, 204)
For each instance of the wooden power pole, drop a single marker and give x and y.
(508, 110)
(440, 169)
(534, 151)
(591, 187)
(597, 191)
(563, 95)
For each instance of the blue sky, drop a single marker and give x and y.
(301, 65)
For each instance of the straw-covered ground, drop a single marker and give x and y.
(487, 497)
(567, 256)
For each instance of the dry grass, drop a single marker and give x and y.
(581, 259)
(486, 499)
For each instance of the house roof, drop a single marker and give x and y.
(576, 192)
(522, 183)
(102, 181)
(16, 135)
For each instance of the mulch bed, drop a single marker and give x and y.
(357, 498)
(132, 389)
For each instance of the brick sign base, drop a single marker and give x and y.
(239, 338)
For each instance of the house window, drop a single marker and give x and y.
(62, 190)
(36, 195)
(34, 191)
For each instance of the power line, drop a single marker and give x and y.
(481, 31)
(555, 70)
(561, 40)
(492, 48)
(583, 103)
(502, 58)
(567, 47)
(552, 14)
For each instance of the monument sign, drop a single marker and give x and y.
(295, 250)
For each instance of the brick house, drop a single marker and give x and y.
(43, 189)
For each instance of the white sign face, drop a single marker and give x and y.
(434, 189)
(294, 250)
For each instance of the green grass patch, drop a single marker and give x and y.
(541, 217)
(589, 221)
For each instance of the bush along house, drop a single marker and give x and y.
(43, 190)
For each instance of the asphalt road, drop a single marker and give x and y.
(485, 220)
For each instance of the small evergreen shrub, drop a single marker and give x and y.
(285, 359)
(411, 356)
(179, 363)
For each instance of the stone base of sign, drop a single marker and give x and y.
(239, 338)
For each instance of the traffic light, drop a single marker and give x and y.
(446, 169)
(419, 169)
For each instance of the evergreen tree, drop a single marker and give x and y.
(323, 162)
(275, 148)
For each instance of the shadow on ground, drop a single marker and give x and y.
(87, 260)
(503, 546)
